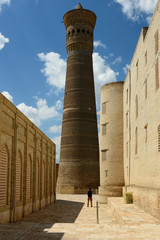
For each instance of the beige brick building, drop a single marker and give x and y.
(27, 165)
(111, 141)
(141, 120)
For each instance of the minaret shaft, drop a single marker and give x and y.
(79, 157)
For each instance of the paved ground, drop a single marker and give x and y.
(71, 219)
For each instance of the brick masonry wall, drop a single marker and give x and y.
(111, 141)
(29, 156)
(79, 154)
(141, 102)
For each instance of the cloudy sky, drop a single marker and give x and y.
(33, 54)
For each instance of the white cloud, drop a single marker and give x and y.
(3, 41)
(98, 43)
(125, 69)
(30, 112)
(55, 129)
(102, 74)
(8, 96)
(117, 60)
(54, 69)
(134, 9)
(57, 141)
(59, 104)
(40, 113)
(2, 2)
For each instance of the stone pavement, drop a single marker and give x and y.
(71, 219)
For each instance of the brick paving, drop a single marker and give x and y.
(71, 219)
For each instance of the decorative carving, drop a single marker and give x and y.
(80, 47)
(79, 158)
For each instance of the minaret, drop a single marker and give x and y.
(79, 156)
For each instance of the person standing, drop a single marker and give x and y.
(89, 197)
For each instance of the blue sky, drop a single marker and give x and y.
(33, 54)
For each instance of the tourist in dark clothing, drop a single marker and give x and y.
(89, 197)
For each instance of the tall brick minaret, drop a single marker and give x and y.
(79, 156)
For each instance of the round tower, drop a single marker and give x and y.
(79, 155)
(111, 141)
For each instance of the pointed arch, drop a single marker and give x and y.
(29, 177)
(4, 174)
(50, 176)
(19, 176)
(38, 178)
(43, 177)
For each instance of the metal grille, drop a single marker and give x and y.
(18, 177)
(3, 176)
(37, 175)
(49, 175)
(43, 178)
(29, 177)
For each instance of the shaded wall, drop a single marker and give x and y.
(27, 165)
(57, 168)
